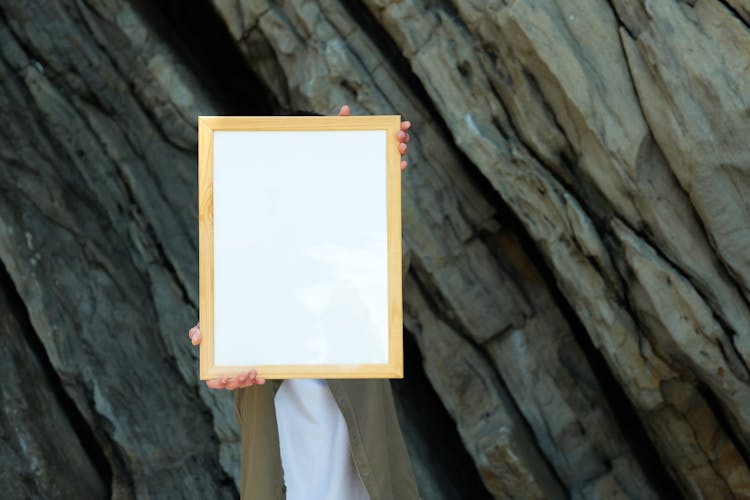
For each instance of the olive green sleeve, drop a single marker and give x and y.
(261, 474)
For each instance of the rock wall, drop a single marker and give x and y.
(576, 226)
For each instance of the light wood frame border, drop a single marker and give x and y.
(391, 124)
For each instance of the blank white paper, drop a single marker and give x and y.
(300, 247)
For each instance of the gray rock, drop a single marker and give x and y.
(575, 219)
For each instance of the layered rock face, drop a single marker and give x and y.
(576, 226)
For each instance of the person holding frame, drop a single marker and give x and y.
(315, 439)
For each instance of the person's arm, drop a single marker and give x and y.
(248, 378)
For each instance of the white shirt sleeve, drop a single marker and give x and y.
(314, 441)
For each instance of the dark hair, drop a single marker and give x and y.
(296, 112)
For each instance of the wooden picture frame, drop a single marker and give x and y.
(299, 223)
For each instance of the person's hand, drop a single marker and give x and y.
(403, 135)
(244, 379)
